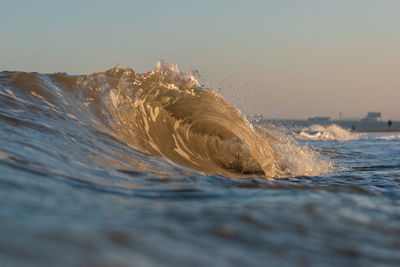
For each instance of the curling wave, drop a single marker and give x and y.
(164, 113)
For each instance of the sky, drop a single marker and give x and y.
(283, 59)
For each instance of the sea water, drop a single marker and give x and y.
(125, 169)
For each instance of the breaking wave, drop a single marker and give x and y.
(332, 132)
(164, 113)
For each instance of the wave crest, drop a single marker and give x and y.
(331, 132)
(168, 113)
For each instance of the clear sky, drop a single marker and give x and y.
(281, 58)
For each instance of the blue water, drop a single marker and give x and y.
(74, 193)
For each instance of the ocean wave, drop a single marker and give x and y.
(388, 137)
(331, 132)
(163, 113)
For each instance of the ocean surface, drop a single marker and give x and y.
(119, 168)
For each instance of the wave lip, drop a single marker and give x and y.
(169, 114)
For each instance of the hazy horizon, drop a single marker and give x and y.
(283, 59)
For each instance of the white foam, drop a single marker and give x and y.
(331, 132)
(388, 137)
(297, 159)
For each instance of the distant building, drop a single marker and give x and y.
(319, 119)
(373, 116)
